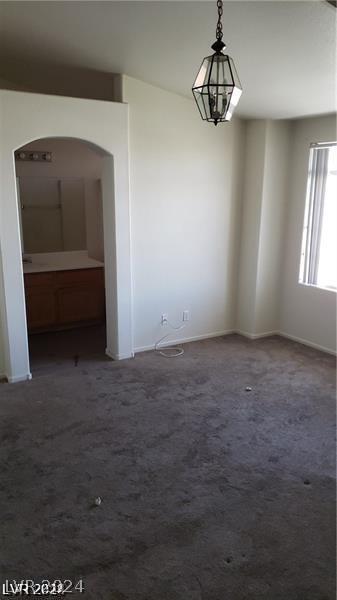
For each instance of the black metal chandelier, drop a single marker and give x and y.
(217, 88)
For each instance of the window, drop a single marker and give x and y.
(319, 244)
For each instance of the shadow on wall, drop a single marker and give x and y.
(60, 80)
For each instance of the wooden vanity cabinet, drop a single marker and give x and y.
(62, 299)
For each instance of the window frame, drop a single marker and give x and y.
(313, 214)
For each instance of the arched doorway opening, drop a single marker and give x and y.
(60, 208)
(29, 117)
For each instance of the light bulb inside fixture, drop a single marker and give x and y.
(218, 104)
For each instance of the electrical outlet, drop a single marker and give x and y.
(186, 315)
(164, 318)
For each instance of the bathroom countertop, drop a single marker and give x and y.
(60, 261)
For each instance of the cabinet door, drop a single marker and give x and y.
(40, 307)
(80, 303)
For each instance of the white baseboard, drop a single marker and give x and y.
(307, 343)
(115, 356)
(17, 378)
(194, 338)
(251, 336)
(255, 336)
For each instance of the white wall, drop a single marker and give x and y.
(72, 159)
(263, 226)
(94, 218)
(185, 207)
(308, 313)
(272, 226)
(250, 225)
(270, 299)
(2, 324)
(2, 355)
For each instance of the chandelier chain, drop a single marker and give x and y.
(219, 32)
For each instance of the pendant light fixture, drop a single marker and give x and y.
(217, 88)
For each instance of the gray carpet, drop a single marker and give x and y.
(52, 352)
(209, 491)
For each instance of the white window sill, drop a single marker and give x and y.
(318, 287)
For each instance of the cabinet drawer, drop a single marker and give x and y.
(38, 279)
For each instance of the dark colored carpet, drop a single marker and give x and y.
(209, 492)
(53, 352)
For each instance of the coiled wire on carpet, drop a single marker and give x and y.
(170, 351)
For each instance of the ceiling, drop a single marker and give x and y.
(284, 52)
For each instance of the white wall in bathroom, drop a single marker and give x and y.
(71, 160)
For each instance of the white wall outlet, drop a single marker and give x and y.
(164, 318)
(186, 315)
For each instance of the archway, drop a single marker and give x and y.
(60, 207)
(104, 125)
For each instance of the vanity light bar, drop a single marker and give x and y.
(34, 156)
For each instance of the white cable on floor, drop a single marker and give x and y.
(170, 351)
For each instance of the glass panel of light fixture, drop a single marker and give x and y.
(231, 106)
(199, 100)
(228, 77)
(235, 74)
(203, 73)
